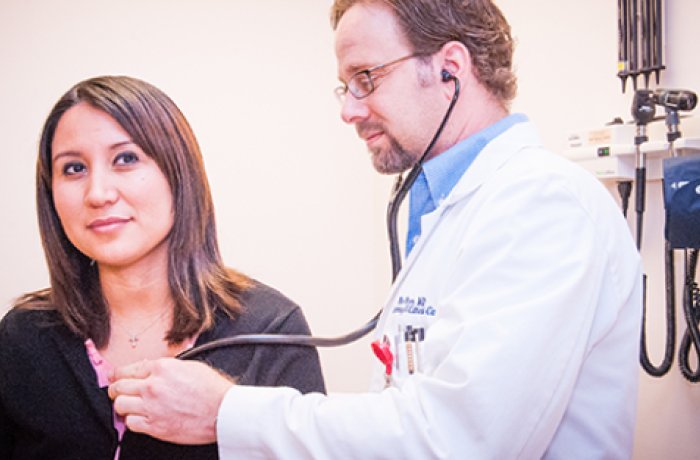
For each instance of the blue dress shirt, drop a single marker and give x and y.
(440, 174)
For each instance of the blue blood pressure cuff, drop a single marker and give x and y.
(682, 201)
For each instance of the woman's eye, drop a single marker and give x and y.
(70, 169)
(126, 158)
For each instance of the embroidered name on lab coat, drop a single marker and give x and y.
(414, 306)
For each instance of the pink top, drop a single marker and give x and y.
(102, 369)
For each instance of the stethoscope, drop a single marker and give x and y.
(399, 192)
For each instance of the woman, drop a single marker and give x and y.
(127, 224)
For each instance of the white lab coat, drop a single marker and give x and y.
(527, 285)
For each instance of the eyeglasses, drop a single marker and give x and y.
(362, 83)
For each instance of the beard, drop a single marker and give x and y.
(391, 159)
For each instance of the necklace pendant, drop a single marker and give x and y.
(133, 341)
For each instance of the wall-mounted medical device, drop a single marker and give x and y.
(647, 149)
(609, 151)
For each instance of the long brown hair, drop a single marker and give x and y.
(199, 282)
(478, 24)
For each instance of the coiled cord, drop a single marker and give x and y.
(691, 308)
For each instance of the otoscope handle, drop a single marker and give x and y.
(640, 195)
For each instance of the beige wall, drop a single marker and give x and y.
(298, 205)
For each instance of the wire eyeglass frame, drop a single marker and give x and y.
(362, 83)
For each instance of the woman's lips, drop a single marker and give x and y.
(107, 224)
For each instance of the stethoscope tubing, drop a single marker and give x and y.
(400, 191)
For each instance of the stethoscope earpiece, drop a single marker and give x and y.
(447, 76)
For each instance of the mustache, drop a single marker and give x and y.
(365, 127)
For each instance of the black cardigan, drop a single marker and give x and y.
(52, 408)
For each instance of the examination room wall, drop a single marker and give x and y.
(298, 205)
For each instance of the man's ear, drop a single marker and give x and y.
(454, 61)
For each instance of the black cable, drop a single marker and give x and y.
(691, 308)
(400, 191)
(640, 199)
(281, 339)
(643, 111)
(667, 362)
(639, 192)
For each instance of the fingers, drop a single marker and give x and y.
(136, 378)
(169, 399)
(129, 405)
(129, 380)
(138, 424)
(132, 387)
(137, 370)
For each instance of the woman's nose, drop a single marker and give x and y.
(101, 189)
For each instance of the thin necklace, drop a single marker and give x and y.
(134, 336)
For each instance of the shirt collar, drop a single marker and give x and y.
(439, 175)
(444, 171)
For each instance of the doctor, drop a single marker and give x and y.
(512, 330)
